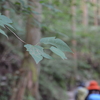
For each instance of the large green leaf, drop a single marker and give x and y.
(37, 52)
(58, 52)
(56, 42)
(2, 32)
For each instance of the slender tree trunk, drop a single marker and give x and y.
(85, 21)
(85, 13)
(74, 42)
(95, 10)
(98, 2)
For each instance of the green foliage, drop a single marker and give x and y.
(58, 52)
(4, 21)
(56, 42)
(37, 52)
(2, 32)
(56, 72)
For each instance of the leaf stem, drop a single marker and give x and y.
(15, 34)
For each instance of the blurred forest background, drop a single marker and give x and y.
(77, 22)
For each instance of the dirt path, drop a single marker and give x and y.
(70, 95)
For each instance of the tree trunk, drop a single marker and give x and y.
(33, 36)
(30, 68)
(85, 13)
(74, 42)
(95, 10)
(98, 2)
(85, 23)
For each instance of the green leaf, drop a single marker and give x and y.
(2, 32)
(5, 19)
(2, 24)
(58, 52)
(37, 52)
(56, 42)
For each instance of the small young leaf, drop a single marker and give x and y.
(2, 32)
(56, 42)
(58, 52)
(37, 52)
